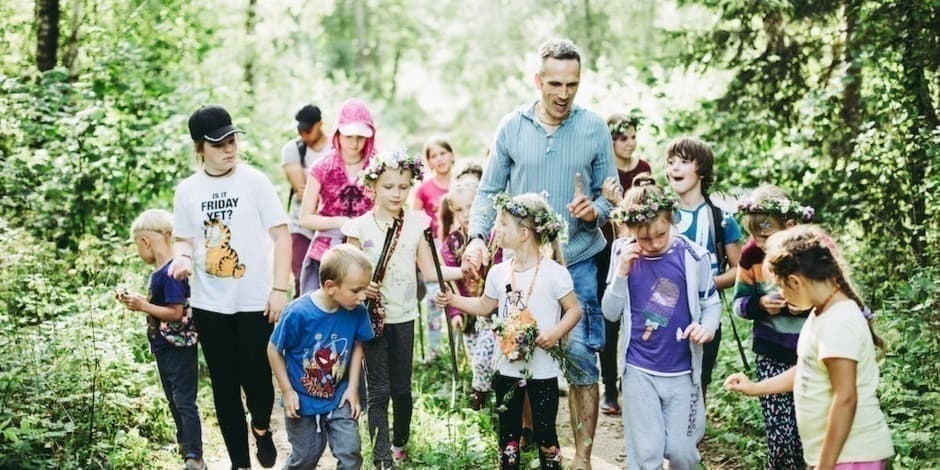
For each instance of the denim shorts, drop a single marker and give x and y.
(587, 337)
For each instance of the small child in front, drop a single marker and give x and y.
(661, 284)
(170, 330)
(316, 352)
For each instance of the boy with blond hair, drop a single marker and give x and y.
(316, 353)
(170, 330)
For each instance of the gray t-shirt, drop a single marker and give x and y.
(290, 154)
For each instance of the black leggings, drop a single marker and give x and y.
(388, 377)
(543, 396)
(235, 348)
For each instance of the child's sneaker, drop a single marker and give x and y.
(399, 454)
(267, 453)
(193, 463)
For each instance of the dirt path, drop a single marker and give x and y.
(609, 450)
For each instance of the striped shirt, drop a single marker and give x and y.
(526, 159)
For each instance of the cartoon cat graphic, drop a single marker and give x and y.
(221, 259)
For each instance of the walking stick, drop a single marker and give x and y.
(429, 236)
(379, 273)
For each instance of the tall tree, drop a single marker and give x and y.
(47, 34)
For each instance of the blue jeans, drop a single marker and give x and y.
(308, 436)
(587, 337)
(178, 369)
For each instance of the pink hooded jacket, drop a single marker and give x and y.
(338, 196)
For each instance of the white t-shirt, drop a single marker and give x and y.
(290, 154)
(400, 285)
(228, 219)
(840, 332)
(552, 284)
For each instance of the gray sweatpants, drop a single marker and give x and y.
(663, 417)
(308, 436)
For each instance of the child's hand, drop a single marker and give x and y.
(374, 291)
(772, 304)
(548, 339)
(739, 383)
(132, 301)
(612, 191)
(276, 302)
(443, 299)
(475, 256)
(181, 268)
(351, 396)
(292, 404)
(456, 321)
(698, 334)
(628, 255)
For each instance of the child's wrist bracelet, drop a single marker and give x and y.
(275, 289)
(186, 255)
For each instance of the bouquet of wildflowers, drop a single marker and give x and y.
(517, 335)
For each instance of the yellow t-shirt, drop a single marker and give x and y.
(841, 332)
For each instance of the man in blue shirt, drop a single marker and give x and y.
(560, 148)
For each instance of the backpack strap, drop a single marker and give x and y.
(718, 234)
(302, 150)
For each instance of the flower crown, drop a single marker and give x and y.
(548, 225)
(620, 127)
(646, 211)
(394, 160)
(784, 208)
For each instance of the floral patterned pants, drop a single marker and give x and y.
(784, 448)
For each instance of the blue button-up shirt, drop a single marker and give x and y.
(526, 159)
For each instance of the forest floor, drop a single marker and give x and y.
(609, 452)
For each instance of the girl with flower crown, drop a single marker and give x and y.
(661, 284)
(623, 129)
(533, 292)
(390, 177)
(769, 210)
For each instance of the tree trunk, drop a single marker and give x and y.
(592, 46)
(914, 61)
(70, 61)
(851, 95)
(251, 19)
(47, 34)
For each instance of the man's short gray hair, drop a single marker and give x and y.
(558, 49)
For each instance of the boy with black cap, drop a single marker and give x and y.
(231, 237)
(296, 157)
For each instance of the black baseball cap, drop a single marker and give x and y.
(212, 123)
(308, 116)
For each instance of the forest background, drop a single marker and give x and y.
(835, 101)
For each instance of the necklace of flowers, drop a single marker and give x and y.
(785, 208)
(644, 212)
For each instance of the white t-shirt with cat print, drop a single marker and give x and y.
(229, 218)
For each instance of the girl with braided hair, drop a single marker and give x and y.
(835, 379)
